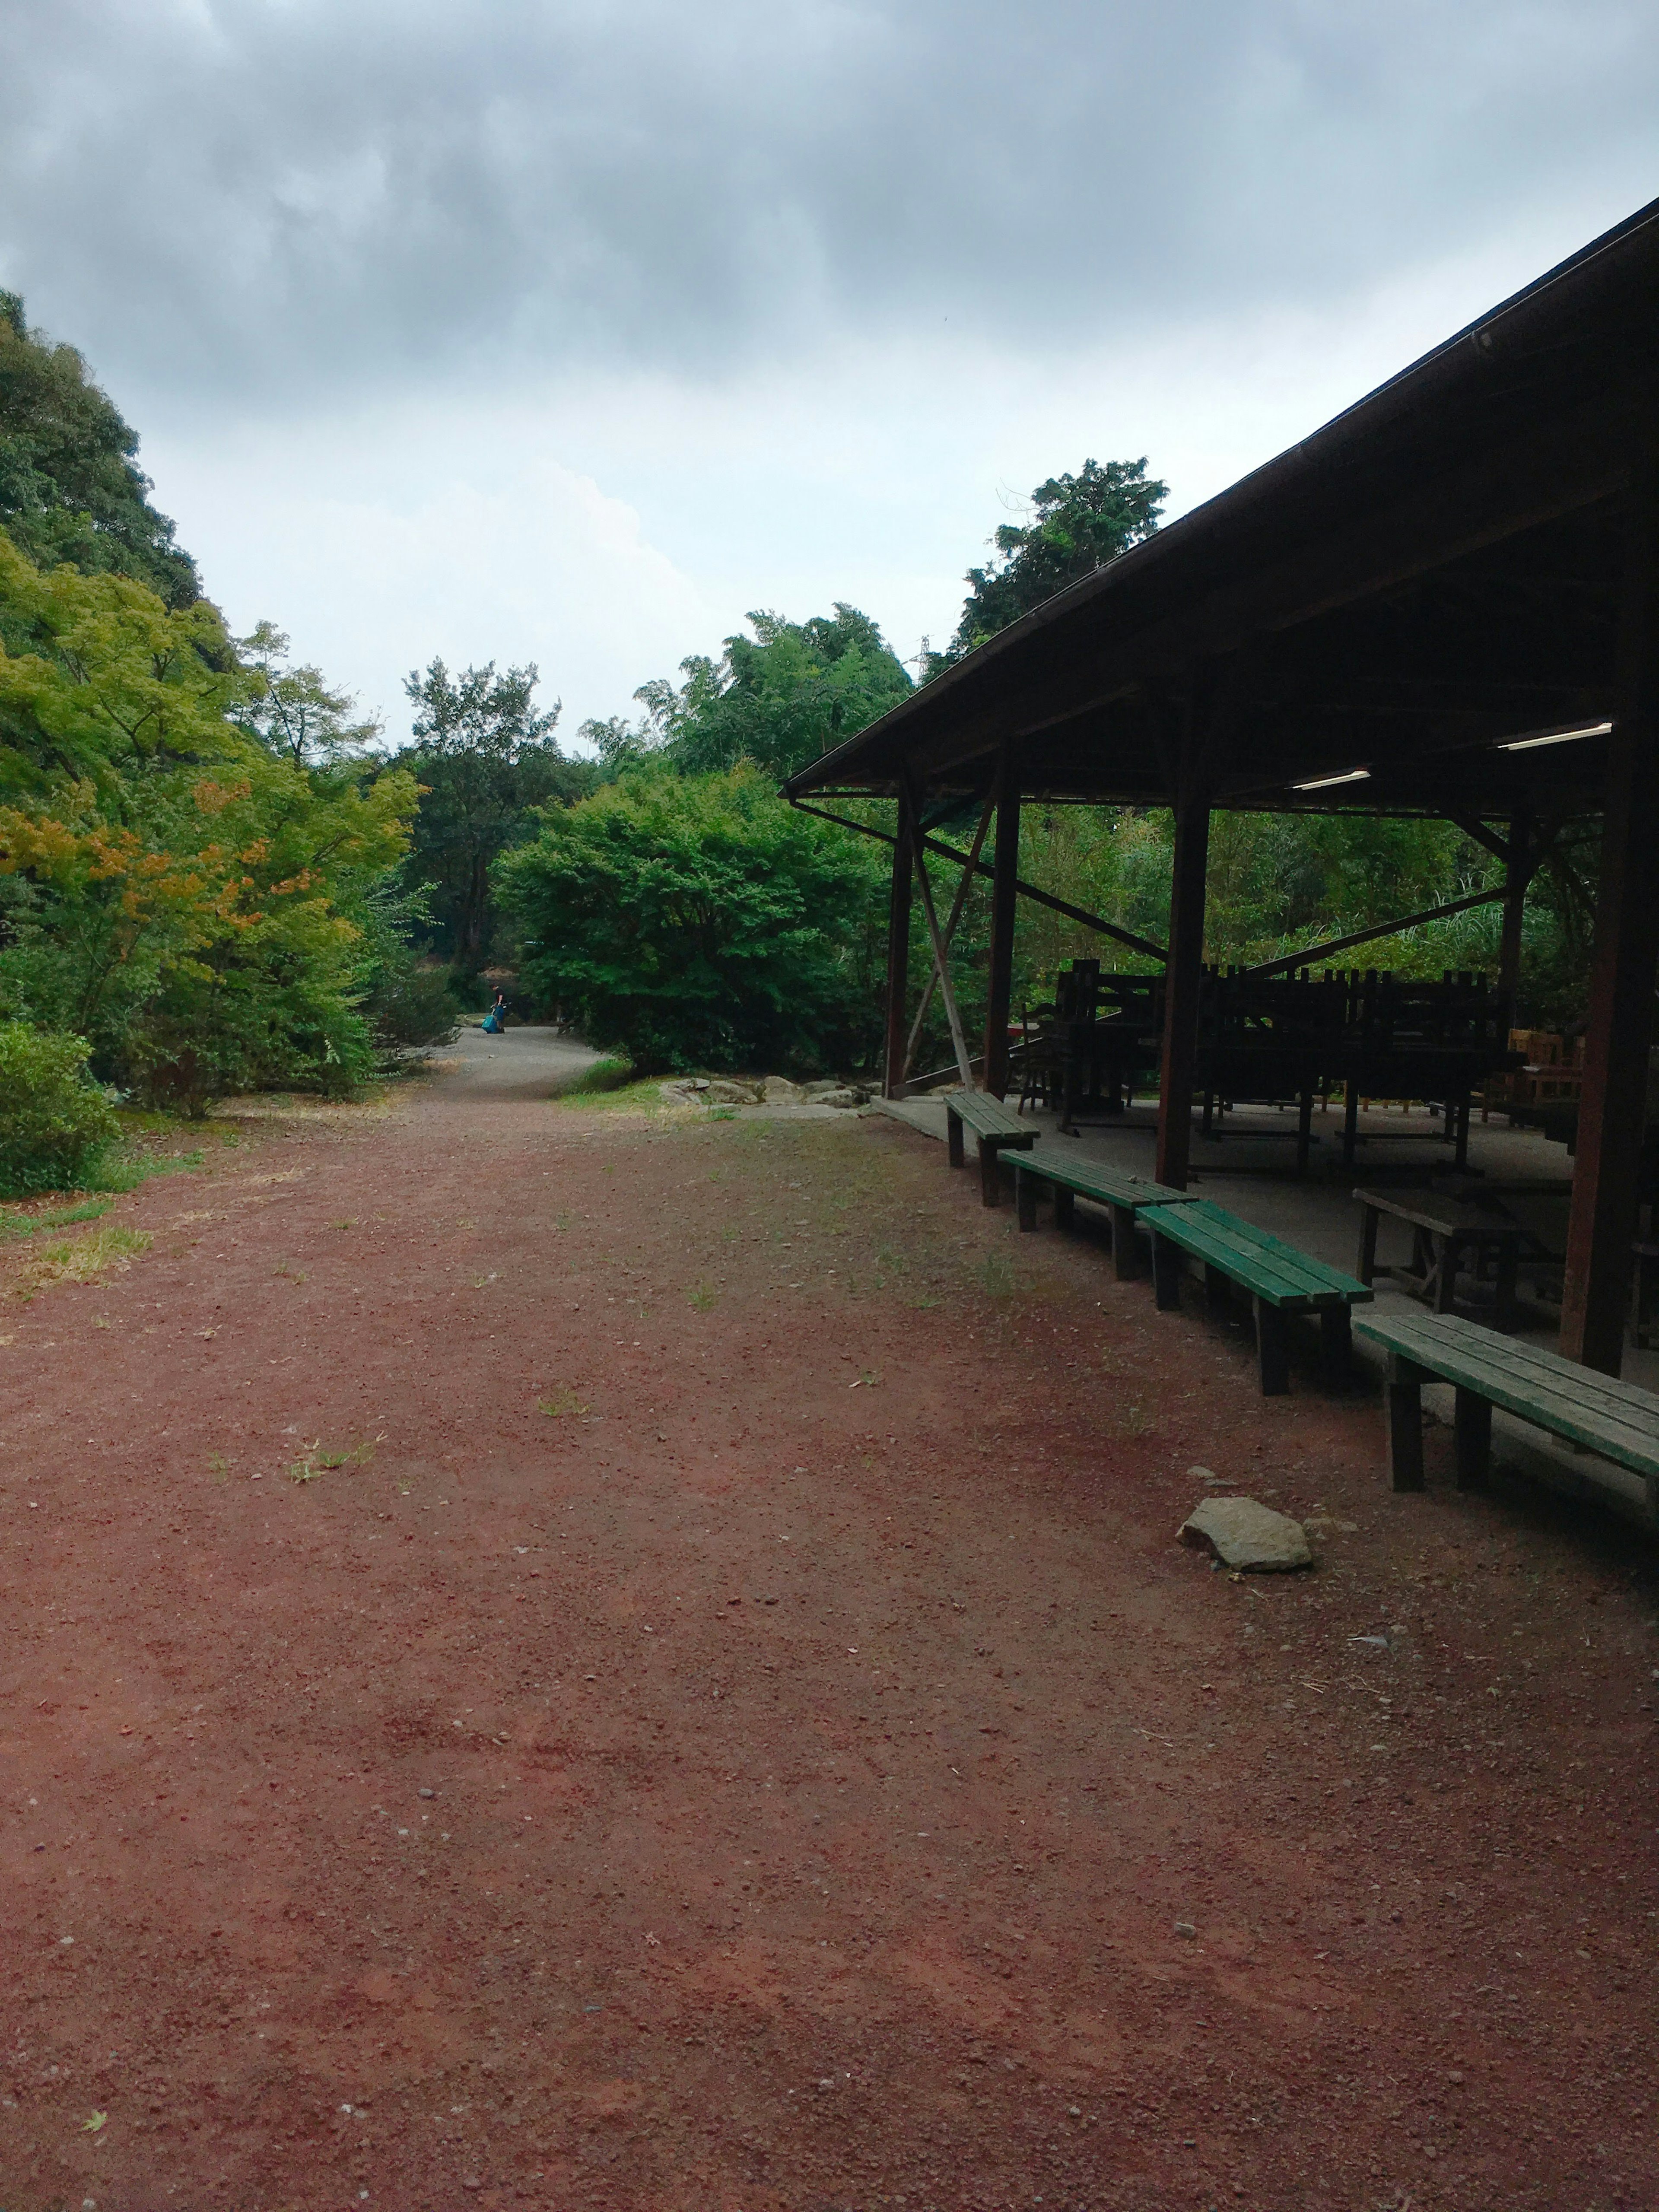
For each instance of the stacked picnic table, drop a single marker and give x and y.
(1278, 1038)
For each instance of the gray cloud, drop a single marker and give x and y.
(290, 201)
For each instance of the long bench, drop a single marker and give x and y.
(998, 1127)
(1281, 1281)
(1071, 1178)
(1486, 1369)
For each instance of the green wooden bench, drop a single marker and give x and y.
(1281, 1281)
(998, 1127)
(1486, 1369)
(1071, 1178)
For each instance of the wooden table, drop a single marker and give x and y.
(1443, 1231)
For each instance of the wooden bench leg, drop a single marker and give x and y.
(1366, 1268)
(1065, 1206)
(990, 1184)
(1449, 1251)
(1125, 1246)
(1166, 1273)
(1025, 1196)
(953, 1138)
(1472, 1437)
(1402, 1401)
(1508, 1270)
(1218, 1289)
(1273, 1348)
(1336, 1343)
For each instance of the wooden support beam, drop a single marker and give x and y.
(898, 955)
(1005, 890)
(941, 951)
(1518, 868)
(1612, 1108)
(1103, 928)
(1184, 973)
(957, 905)
(1311, 953)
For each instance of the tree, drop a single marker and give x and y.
(292, 710)
(1077, 525)
(172, 889)
(71, 489)
(698, 921)
(485, 760)
(778, 699)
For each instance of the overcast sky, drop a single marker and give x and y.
(570, 330)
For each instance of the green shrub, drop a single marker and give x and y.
(608, 1074)
(53, 1125)
(698, 921)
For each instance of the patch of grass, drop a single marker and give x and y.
(14, 1223)
(996, 1275)
(559, 1402)
(702, 1297)
(611, 1074)
(79, 1259)
(294, 1274)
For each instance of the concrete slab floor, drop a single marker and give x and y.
(1251, 1171)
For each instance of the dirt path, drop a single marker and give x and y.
(725, 1726)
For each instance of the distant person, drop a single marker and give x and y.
(495, 1019)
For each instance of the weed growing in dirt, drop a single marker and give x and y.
(78, 1259)
(317, 1463)
(702, 1297)
(563, 1401)
(294, 1274)
(996, 1275)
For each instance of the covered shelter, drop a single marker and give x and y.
(1445, 603)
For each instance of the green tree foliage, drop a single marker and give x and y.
(185, 894)
(485, 759)
(54, 1125)
(779, 699)
(69, 487)
(698, 921)
(1078, 523)
(292, 711)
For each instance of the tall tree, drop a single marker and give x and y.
(293, 710)
(486, 759)
(1078, 523)
(71, 489)
(778, 699)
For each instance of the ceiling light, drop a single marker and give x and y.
(1553, 738)
(1324, 782)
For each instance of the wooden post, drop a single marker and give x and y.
(1517, 875)
(1612, 1108)
(1003, 894)
(898, 956)
(1183, 980)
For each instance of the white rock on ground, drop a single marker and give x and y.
(778, 1091)
(1247, 1535)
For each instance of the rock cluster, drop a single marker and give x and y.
(762, 1091)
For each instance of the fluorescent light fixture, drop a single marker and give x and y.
(1553, 738)
(1324, 782)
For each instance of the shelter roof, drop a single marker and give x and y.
(1434, 573)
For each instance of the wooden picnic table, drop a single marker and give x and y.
(1443, 1232)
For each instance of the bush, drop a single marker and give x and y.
(410, 1005)
(698, 921)
(53, 1125)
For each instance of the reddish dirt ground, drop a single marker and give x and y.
(772, 1779)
